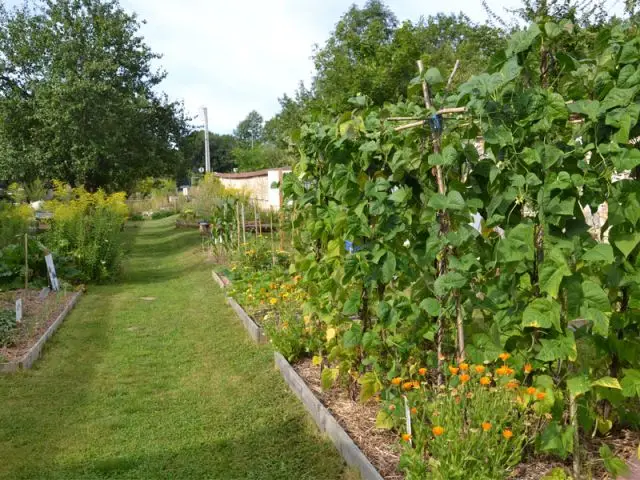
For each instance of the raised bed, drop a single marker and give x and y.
(352, 455)
(221, 280)
(27, 360)
(255, 331)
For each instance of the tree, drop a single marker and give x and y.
(77, 97)
(259, 157)
(278, 130)
(368, 53)
(250, 130)
(192, 149)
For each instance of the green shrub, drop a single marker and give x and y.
(7, 326)
(136, 217)
(162, 214)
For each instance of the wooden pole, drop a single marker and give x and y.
(281, 228)
(26, 261)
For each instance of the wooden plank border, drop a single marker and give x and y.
(218, 279)
(255, 331)
(326, 422)
(28, 359)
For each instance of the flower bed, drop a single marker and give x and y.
(41, 318)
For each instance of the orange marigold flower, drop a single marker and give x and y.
(512, 384)
(273, 300)
(464, 378)
(540, 395)
(479, 368)
(507, 433)
(502, 371)
(396, 381)
(407, 385)
(414, 410)
(486, 426)
(422, 371)
(416, 384)
(510, 371)
(392, 407)
(406, 437)
(485, 381)
(531, 390)
(437, 430)
(528, 368)
(454, 370)
(504, 356)
(464, 367)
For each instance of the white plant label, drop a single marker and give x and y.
(19, 310)
(55, 285)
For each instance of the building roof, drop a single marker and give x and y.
(257, 173)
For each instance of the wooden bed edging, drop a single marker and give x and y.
(352, 455)
(28, 359)
(218, 279)
(255, 331)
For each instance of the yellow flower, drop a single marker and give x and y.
(464, 378)
(406, 437)
(512, 384)
(464, 367)
(422, 371)
(454, 370)
(396, 381)
(528, 368)
(437, 430)
(486, 426)
(479, 368)
(485, 381)
(507, 433)
(407, 385)
(504, 356)
(273, 301)
(531, 391)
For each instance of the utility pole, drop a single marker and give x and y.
(207, 155)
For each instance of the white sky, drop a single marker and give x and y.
(237, 56)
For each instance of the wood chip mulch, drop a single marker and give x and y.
(380, 446)
(358, 420)
(38, 315)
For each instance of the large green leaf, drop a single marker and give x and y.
(590, 108)
(433, 76)
(554, 269)
(626, 160)
(578, 385)
(542, 313)
(522, 40)
(601, 253)
(607, 382)
(369, 386)
(431, 306)
(561, 348)
(388, 267)
(449, 281)
(400, 195)
(627, 243)
(618, 97)
(631, 383)
(328, 377)
(352, 305)
(384, 420)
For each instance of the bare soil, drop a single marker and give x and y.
(37, 316)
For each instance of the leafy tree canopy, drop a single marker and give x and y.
(220, 149)
(78, 97)
(250, 130)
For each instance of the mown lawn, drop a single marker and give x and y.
(168, 387)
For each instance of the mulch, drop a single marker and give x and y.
(37, 316)
(381, 446)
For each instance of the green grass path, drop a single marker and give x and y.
(170, 388)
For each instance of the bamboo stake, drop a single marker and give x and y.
(26, 261)
(273, 247)
(244, 227)
(573, 414)
(238, 223)
(442, 111)
(255, 217)
(280, 228)
(455, 69)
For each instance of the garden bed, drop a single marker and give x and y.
(254, 329)
(358, 420)
(220, 279)
(42, 315)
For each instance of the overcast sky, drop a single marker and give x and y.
(235, 56)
